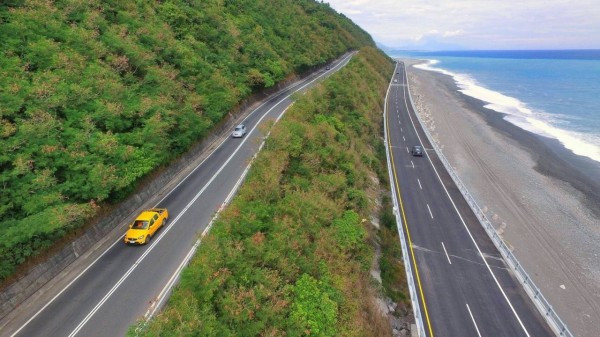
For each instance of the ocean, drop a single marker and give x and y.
(553, 93)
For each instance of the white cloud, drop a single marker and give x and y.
(479, 24)
(452, 33)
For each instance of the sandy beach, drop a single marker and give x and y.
(544, 200)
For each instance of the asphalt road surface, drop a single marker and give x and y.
(464, 285)
(120, 286)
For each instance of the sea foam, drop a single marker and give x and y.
(519, 114)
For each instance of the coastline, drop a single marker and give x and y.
(542, 198)
(552, 158)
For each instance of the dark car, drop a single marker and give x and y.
(417, 151)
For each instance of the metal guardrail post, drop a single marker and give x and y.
(543, 306)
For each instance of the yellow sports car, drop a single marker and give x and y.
(146, 225)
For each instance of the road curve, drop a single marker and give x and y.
(121, 285)
(464, 286)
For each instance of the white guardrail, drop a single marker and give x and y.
(542, 304)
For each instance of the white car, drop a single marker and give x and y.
(239, 131)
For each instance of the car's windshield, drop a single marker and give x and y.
(139, 224)
(239, 128)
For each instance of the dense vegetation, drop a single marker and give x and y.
(291, 255)
(96, 94)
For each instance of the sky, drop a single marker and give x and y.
(477, 24)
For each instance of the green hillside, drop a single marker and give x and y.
(95, 95)
(291, 255)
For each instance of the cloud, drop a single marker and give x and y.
(452, 33)
(477, 24)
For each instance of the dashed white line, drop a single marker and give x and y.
(429, 211)
(413, 164)
(473, 319)
(401, 130)
(404, 139)
(421, 187)
(407, 150)
(512, 308)
(445, 251)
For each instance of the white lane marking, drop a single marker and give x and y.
(429, 209)
(64, 289)
(400, 128)
(413, 164)
(407, 150)
(473, 319)
(161, 296)
(172, 223)
(465, 225)
(445, 251)
(419, 181)
(404, 139)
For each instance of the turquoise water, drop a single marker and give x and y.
(552, 93)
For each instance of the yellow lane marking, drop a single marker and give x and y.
(407, 231)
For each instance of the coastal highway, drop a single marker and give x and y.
(123, 283)
(464, 286)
